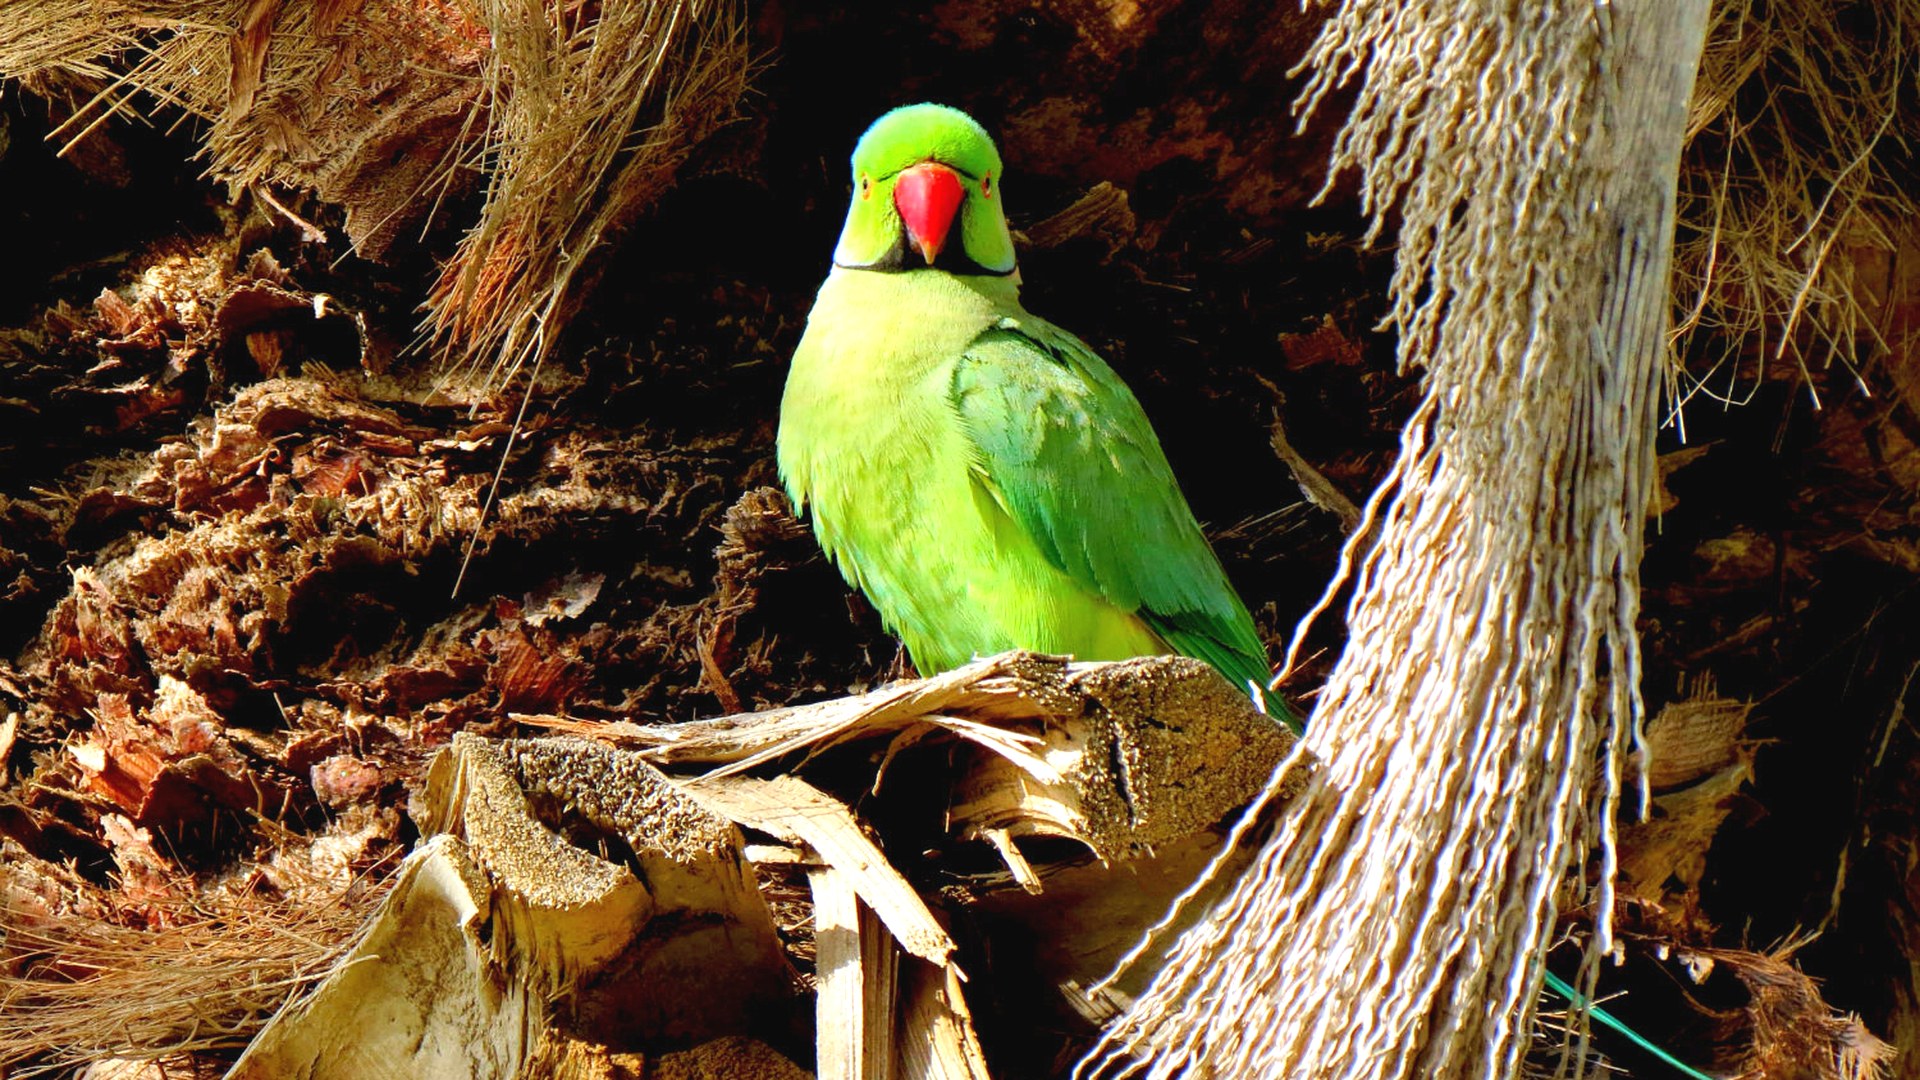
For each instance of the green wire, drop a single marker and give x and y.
(1559, 986)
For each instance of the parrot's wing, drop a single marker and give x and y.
(1064, 448)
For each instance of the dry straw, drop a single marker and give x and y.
(1474, 732)
(102, 979)
(1798, 175)
(588, 120)
(572, 117)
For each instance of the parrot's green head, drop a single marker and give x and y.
(926, 192)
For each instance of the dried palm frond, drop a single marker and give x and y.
(572, 117)
(1474, 730)
(362, 101)
(588, 118)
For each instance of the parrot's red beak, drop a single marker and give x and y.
(927, 196)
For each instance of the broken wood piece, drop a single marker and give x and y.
(473, 793)
(416, 997)
(1120, 756)
(500, 930)
(1313, 484)
(1010, 853)
(791, 809)
(1102, 214)
(709, 962)
(1161, 749)
(560, 1057)
(937, 1035)
(858, 965)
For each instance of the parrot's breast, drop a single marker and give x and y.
(872, 448)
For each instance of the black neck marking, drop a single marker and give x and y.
(902, 257)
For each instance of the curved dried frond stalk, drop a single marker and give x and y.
(1797, 163)
(590, 111)
(1474, 730)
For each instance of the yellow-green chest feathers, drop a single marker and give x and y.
(980, 474)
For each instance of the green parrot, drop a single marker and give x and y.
(979, 473)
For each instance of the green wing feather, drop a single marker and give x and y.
(1064, 448)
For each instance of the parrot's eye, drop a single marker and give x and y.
(866, 186)
(986, 185)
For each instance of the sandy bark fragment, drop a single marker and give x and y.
(500, 926)
(1162, 749)
(574, 911)
(730, 1057)
(707, 960)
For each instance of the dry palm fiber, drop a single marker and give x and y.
(361, 100)
(592, 109)
(573, 115)
(88, 974)
(58, 37)
(1474, 731)
(1799, 163)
